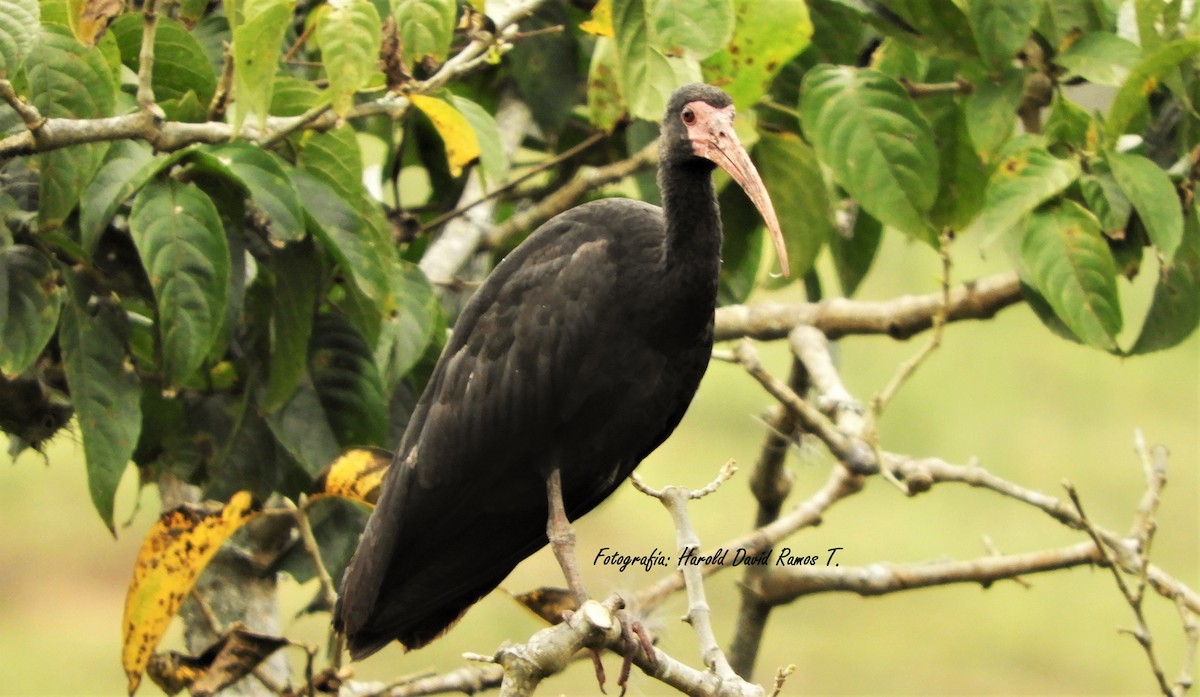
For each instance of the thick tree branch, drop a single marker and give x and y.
(899, 318)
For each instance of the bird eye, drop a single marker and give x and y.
(688, 116)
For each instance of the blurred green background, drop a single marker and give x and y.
(1034, 408)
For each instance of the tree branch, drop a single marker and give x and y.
(585, 180)
(786, 585)
(699, 614)
(899, 318)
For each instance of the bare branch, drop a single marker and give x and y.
(899, 318)
(770, 483)
(1132, 597)
(840, 484)
(786, 585)
(699, 614)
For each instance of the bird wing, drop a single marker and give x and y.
(523, 359)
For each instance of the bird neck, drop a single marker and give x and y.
(691, 252)
(693, 243)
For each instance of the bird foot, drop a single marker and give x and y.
(633, 637)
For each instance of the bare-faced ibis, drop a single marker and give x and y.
(573, 361)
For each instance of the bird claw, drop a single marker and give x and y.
(633, 636)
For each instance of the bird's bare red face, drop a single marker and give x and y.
(710, 130)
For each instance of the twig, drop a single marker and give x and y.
(908, 368)
(461, 237)
(781, 677)
(328, 589)
(899, 318)
(220, 99)
(699, 614)
(770, 483)
(585, 180)
(1132, 597)
(786, 585)
(840, 484)
(852, 452)
(916, 90)
(537, 169)
(145, 76)
(29, 114)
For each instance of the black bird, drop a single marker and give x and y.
(573, 361)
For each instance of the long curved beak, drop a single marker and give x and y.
(713, 138)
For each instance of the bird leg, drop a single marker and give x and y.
(562, 541)
(562, 537)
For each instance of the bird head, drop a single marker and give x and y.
(699, 124)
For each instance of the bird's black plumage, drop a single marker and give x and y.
(580, 352)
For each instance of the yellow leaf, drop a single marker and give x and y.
(356, 475)
(92, 17)
(175, 551)
(462, 147)
(600, 23)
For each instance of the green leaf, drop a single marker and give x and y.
(1130, 100)
(408, 330)
(1175, 310)
(1101, 57)
(697, 28)
(878, 145)
(992, 112)
(766, 37)
(1001, 29)
(130, 165)
(963, 179)
(491, 152)
(1063, 19)
(257, 39)
(18, 29)
(1069, 124)
(1068, 261)
(334, 157)
(178, 234)
(1027, 176)
(302, 428)
(180, 65)
(104, 391)
(1104, 198)
(340, 230)
(789, 167)
(426, 29)
(293, 96)
(854, 254)
(262, 177)
(605, 102)
(647, 75)
(546, 68)
(1153, 196)
(67, 80)
(934, 26)
(30, 300)
(348, 383)
(295, 269)
(350, 34)
(741, 246)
